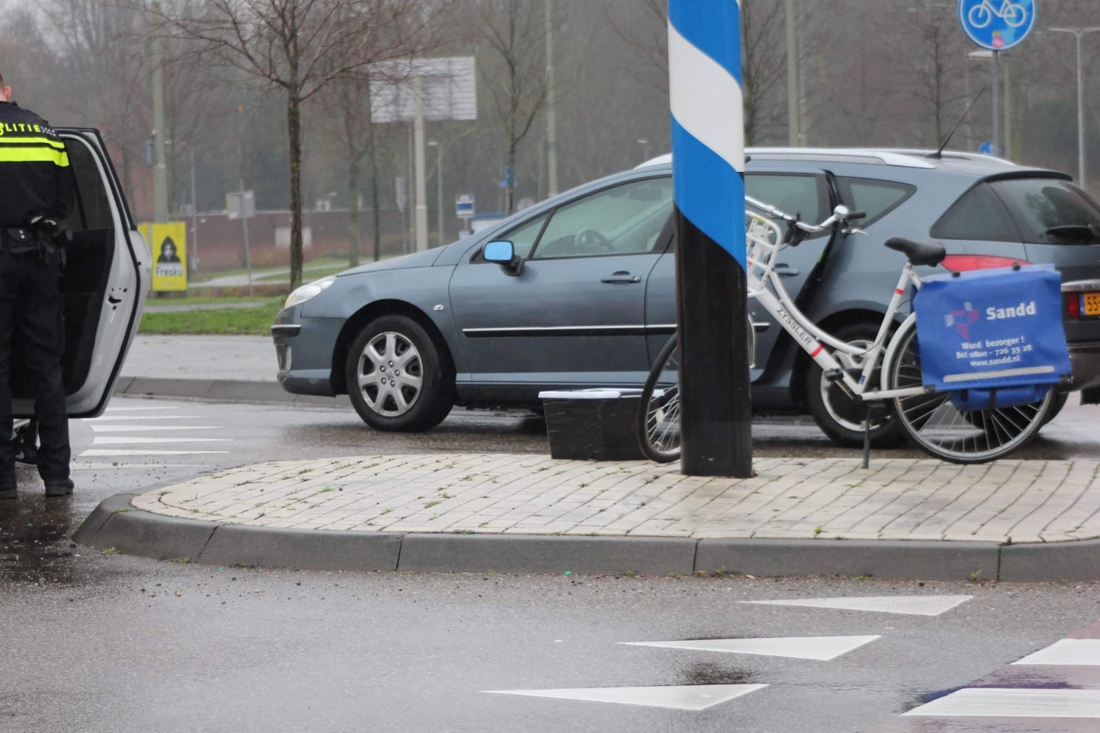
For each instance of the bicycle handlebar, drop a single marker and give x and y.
(840, 215)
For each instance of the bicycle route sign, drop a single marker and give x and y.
(997, 25)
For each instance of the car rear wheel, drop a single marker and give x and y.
(839, 415)
(397, 378)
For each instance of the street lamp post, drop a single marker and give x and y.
(1082, 166)
(645, 148)
(439, 182)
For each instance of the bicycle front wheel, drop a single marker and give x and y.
(658, 425)
(933, 423)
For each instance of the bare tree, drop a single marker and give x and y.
(513, 34)
(349, 124)
(299, 47)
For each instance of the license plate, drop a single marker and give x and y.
(1090, 304)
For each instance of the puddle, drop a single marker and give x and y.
(34, 541)
(710, 673)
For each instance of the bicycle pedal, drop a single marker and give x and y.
(833, 375)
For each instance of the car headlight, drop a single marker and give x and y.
(310, 290)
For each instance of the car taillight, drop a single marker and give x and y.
(966, 263)
(1073, 305)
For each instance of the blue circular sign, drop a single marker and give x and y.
(997, 24)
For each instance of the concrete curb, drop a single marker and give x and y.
(221, 390)
(115, 523)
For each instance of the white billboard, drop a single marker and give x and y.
(447, 88)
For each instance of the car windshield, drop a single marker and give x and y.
(1050, 211)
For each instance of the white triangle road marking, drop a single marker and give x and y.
(149, 428)
(912, 605)
(127, 440)
(685, 697)
(1013, 703)
(1068, 652)
(821, 648)
(103, 453)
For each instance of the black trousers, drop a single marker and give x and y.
(31, 308)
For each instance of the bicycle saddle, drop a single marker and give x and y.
(919, 253)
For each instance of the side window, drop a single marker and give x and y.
(978, 215)
(524, 238)
(626, 219)
(792, 194)
(873, 197)
(93, 207)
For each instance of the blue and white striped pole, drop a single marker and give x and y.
(708, 149)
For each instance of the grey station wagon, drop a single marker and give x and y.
(590, 298)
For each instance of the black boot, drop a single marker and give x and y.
(59, 486)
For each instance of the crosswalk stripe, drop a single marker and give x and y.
(1067, 652)
(820, 648)
(911, 605)
(103, 453)
(149, 428)
(112, 410)
(128, 440)
(684, 697)
(132, 418)
(93, 466)
(1013, 703)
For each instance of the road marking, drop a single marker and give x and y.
(100, 453)
(149, 428)
(91, 466)
(126, 440)
(1013, 703)
(138, 409)
(122, 418)
(1075, 652)
(912, 605)
(686, 697)
(821, 648)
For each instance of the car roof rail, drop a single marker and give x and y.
(901, 157)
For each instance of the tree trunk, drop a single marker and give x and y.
(353, 216)
(294, 133)
(376, 213)
(510, 173)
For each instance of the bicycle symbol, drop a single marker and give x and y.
(982, 15)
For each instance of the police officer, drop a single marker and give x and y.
(36, 194)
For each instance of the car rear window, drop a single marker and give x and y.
(873, 197)
(1050, 211)
(977, 215)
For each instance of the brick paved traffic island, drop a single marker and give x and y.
(1012, 520)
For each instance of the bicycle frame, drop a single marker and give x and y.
(813, 339)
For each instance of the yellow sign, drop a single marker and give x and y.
(169, 245)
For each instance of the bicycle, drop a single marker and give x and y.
(928, 418)
(982, 15)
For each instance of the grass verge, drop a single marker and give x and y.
(228, 322)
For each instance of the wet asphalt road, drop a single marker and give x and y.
(108, 643)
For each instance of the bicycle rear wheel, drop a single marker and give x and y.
(658, 425)
(937, 427)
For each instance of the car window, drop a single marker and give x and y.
(792, 194)
(873, 197)
(977, 215)
(93, 207)
(626, 219)
(523, 239)
(1050, 211)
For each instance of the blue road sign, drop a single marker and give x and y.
(997, 24)
(985, 148)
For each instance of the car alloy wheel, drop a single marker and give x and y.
(390, 374)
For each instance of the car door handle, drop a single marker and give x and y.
(622, 278)
(785, 270)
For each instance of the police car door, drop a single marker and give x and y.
(103, 286)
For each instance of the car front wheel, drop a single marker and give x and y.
(397, 378)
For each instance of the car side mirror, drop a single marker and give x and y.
(504, 254)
